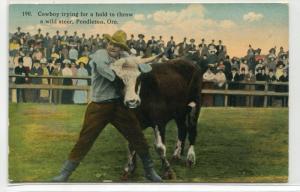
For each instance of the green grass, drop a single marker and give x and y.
(233, 145)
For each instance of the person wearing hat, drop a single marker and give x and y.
(219, 99)
(56, 37)
(56, 71)
(73, 52)
(260, 76)
(106, 106)
(140, 46)
(36, 70)
(183, 47)
(151, 46)
(67, 95)
(20, 70)
(65, 37)
(244, 65)
(170, 48)
(233, 78)
(192, 46)
(39, 36)
(220, 48)
(131, 41)
(203, 50)
(80, 97)
(18, 34)
(279, 69)
(212, 44)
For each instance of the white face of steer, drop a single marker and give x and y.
(128, 70)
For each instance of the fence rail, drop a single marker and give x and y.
(266, 93)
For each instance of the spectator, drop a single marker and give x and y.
(283, 88)
(47, 44)
(259, 65)
(67, 95)
(20, 70)
(140, 45)
(233, 85)
(219, 99)
(271, 78)
(39, 36)
(212, 44)
(56, 37)
(183, 47)
(14, 47)
(65, 39)
(74, 72)
(271, 60)
(244, 66)
(36, 70)
(64, 52)
(80, 97)
(73, 53)
(203, 48)
(44, 93)
(250, 78)
(56, 94)
(260, 76)
(219, 47)
(279, 69)
(241, 98)
(170, 48)
(27, 62)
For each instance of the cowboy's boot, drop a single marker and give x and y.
(67, 169)
(150, 173)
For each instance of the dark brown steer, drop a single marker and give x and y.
(171, 90)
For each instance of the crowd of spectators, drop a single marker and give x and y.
(68, 55)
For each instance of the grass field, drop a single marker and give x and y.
(233, 145)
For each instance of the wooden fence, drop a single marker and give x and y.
(266, 93)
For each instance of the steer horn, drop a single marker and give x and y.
(150, 59)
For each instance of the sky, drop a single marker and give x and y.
(237, 25)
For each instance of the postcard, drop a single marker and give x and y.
(138, 93)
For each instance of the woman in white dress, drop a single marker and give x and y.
(80, 97)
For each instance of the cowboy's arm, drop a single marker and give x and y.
(98, 64)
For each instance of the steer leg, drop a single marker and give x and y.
(192, 119)
(160, 148)
(182, 133)
(131, 164)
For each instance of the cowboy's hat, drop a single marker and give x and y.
(118, 38)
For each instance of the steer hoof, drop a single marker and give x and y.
(176, 158)
(189, 163)
(169, 175)
(125, 176)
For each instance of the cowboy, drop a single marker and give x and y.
(106, 107)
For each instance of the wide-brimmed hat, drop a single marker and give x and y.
(66, 61)
(55, 55)
(43, 60)
(192, 40)
(141, 35)
(83, 60)
(119, 38)
(280, 63)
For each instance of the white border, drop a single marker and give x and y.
(294, 132)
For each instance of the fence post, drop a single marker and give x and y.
(88, 95)
(50, 91)
(226, 96)
(266, 96)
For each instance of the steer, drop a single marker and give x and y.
(170, 90)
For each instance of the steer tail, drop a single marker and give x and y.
(194, 88)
